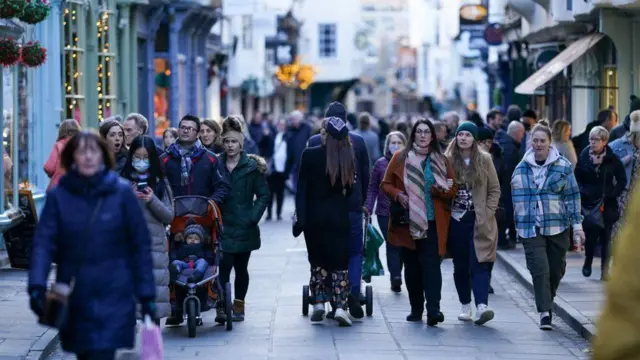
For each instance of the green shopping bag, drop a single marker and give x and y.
(371, 264)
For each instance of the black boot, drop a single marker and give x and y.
(175, 319)
(435, 319)
(221, 314)
(355, 309)
(173, 273)
(396, 285)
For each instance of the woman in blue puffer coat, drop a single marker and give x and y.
(92, 227)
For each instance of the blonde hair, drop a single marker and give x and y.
(558, 130)
(473, 174)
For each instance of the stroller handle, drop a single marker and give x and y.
(203, 281)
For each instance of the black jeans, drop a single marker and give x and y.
(240, 263)
(593, 236)
(98, 355)
(276, 183)
(394, 263)
(422, 274)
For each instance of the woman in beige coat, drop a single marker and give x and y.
(144, 170)
(473, 231)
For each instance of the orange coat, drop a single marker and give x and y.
(393, 184)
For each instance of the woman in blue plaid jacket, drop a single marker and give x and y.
(546, 201)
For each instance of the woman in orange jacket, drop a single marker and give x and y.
(53, 167)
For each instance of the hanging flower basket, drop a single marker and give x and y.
(9, 52)
(35, 11)
(10, 9)
(33, 54)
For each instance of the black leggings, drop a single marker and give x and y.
(276, 183)
(98, 355)
(239, 262)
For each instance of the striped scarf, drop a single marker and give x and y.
(414, 183)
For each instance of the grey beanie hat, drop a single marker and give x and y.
(194, 229)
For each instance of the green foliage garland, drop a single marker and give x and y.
(10, 9)
(35, 11)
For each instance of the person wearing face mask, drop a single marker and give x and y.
(90, 227)
(393, 143)
(152, 189)
(473, 231)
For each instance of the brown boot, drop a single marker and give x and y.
(238, 310)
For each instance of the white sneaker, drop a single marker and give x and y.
(483, 314)
(342, 318)
(318, 312)
(465, 313)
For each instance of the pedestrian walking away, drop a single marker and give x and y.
(242, 211)
(325, 182)
(90, 225)
(473, 233)
(419, 183)
(394, 142)
(543, 224)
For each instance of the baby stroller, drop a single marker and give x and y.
(202, 295)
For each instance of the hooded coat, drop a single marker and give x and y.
(246, 203)
(110, 258)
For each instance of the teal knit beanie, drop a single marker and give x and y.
(470, 127)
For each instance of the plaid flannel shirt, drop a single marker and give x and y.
(559, 198)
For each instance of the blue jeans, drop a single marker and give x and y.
(465, 262)
(394, 263)
(200, 265)
(355, 251)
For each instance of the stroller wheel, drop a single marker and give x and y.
(227, 307)
(305, 300)
(369, 300)
(191, 317)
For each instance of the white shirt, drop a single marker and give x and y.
(280, 153)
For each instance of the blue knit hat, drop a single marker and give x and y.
(194, 229)
(470, 127)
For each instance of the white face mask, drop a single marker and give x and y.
(393, 148)
(140, 165)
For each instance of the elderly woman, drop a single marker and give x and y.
(627, 148)
(546, 201)
(601, 177)
(393, 143)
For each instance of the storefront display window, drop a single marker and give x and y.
(73, 18)
(610, 94)
(106, 85)
(161, 96)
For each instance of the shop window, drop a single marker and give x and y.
(106, 85)
(610, 93)
(162, 95)
(74, 52)
(327, 38)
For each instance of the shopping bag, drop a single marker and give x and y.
(371, 264)
(151, 344)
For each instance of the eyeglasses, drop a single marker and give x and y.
(188, 128)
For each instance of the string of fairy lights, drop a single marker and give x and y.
(73, 74)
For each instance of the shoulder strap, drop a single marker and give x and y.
(85, 240)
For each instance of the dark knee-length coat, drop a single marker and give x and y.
(116, 266)
(323, 212)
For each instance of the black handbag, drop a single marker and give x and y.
(399, 215)
(56, 306)
(594, 216)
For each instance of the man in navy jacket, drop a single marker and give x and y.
(356, 204)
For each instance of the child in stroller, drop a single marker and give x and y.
(191, 254)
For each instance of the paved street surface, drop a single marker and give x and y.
(584, 296)
(20, 335)
(276, 330)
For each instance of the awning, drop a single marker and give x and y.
(558, 64)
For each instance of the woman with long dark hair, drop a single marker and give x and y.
(419, 183)
(113, 133)
(90, 227)
(152, 189)
(325, 181)
(473, 233)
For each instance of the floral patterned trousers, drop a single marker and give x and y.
(329, 286)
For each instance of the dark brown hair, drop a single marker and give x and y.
(341, 160)
(433, 145)
(81, 138)
(106, 125)
(67, 129)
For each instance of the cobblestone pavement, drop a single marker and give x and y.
(276, 330)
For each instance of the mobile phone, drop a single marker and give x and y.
(141, 186)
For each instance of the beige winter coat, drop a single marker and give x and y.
(158, 214)
(485, 201)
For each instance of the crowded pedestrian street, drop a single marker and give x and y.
(275, 329)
